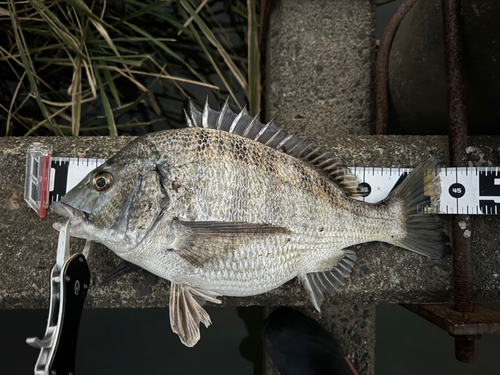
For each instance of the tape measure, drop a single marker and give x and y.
(471, 190)
(49, 178)
(464, 190)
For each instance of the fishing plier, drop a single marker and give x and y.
(69, 284)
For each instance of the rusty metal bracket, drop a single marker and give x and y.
(480, 321)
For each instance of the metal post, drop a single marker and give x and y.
(382, 66)
(461, 229)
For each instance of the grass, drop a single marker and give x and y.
(117, 67)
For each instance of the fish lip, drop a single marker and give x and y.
(69, 212)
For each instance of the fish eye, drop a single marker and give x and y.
(102, 181)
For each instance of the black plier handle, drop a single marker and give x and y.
(69, 283)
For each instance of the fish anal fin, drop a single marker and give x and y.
(317, 284)
(186, 312)
(312, 290)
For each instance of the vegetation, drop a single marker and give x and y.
(71, 67)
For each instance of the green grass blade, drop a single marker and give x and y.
(218, 69)
(111, 83)
(176, 23)
(107, 107)
(10, 112)
(188, 22)
(83, 9)
(164, 47)
(58, 29)
(115, 59)
(28, 64)
(116, 111)
(129, 39)
(211, 37)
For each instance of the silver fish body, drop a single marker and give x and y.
(215, 176)
(218, 213)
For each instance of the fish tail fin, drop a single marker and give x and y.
(423, 228)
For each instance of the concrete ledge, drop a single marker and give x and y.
(321, 65)
(383, 274)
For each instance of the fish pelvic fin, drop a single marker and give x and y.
(419, 193)
(186, 312)
(121, 270)
(318, 283)
(271, 135)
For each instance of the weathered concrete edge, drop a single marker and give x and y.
(383, 274)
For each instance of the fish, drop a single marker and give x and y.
(229, 206)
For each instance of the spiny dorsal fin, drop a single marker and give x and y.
(317, 283)
(272, 136)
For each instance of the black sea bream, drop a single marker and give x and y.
(229, 206)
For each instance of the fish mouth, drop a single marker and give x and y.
(70, 213)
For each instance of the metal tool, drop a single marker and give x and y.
(69, 283)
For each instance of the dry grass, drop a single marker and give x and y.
(76, 66)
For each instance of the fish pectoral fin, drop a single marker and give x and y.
(186, 312)
(202, 242)
(317, 283)
(211, 229)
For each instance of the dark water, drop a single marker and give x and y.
(139, 341)
(135, 341)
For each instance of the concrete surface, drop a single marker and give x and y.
(320, 73)
(383, 274)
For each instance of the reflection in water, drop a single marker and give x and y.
(251, 346)
(297, 344)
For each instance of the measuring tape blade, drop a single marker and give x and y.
(66, 173)
(471, 190)
(464, 190)
(379, 182)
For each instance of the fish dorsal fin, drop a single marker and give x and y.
(272, 136)
(186, 312)
(317, 283)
